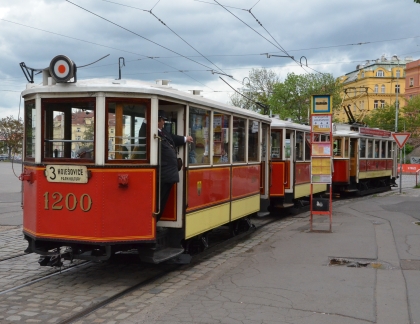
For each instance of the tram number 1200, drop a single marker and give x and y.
(69, 201)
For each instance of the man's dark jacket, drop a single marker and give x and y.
(169, 163)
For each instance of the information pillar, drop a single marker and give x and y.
(321, 156)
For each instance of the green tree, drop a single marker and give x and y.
(291, 98)
(384, 118)
(258, 87)
(11, 133)
(411, 116)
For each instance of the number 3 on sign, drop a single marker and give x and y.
(70, 201)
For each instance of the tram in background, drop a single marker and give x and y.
(91, 168)
(290, 176)
(365, 160)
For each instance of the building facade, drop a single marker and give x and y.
(412, 79)
(372, 86)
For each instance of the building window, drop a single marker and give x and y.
(382, 103)
(354, 107)
(397, 88)
(375, 104)
(362, 106)
(380, 73)
(383, 88)
(411, 82)
(376, 88)
(398, 73)
(78, 129)
(363, 74)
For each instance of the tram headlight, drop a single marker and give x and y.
(62, 68)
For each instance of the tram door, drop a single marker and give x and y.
(289, 152)
(354, 161)
(172, 216)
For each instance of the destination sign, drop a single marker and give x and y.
(374, 132)
(66, 173)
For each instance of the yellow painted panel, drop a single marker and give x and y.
(305, 189)
(204, 220)
(245, 206)
(375, 174)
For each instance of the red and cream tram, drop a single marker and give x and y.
(290, 178)
(91, 168)
(365, 159)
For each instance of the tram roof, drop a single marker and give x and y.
(136, 87)
(279, 123)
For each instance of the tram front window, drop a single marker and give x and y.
(69, 128)
(30, 124)
(127, 131)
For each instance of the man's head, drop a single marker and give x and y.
(161, 119)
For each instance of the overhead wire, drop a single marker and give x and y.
(138, 35)
(166, 25)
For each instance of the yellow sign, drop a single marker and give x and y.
(321, 104)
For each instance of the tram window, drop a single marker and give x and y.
(253, 131)
(221, 132)
(383, 149)
(127, 131)
(390, 149)
(346, 147)
(362, 148)
(264, 142)
(238, 140)
(370, 148)
(199, 123)
(376, 149)
(276, 145)
(299, 146)
(307, 147)
(30, 124)
(337, 147)
(61, 119)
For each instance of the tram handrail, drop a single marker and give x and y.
(160, 168)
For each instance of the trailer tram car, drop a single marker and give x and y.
(365, 160)
(91, 168)
(290, 177)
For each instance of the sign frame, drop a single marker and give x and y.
(401, 138)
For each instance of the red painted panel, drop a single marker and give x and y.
(277, 178)
(303, 173)
(362, 165)
(381, 164)
(99, 210)
(245, 180)
(341, 171)
(208, 187)
(287, 175)
(170, 209)
(389, 164)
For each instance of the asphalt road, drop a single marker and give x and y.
(10, 194)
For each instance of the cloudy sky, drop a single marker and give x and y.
(185, 40)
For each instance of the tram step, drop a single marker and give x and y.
(263, 214)
(158, 256)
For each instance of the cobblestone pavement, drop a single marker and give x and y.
(59, 297)
(11, 241)
(133, 307)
